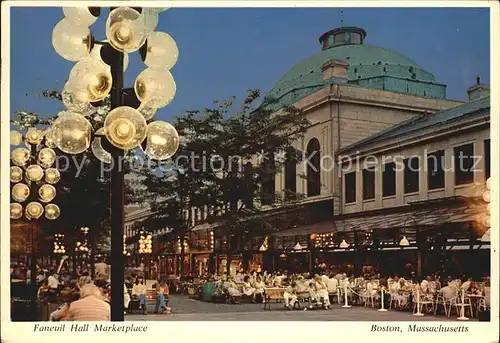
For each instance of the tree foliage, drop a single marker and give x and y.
(225, 158)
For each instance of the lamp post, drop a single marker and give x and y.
(32, 180)
(98, 76)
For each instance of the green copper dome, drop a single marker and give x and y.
(369, 67)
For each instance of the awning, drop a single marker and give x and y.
(321, 227)
(409, 217)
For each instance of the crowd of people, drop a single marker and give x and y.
(325, 286)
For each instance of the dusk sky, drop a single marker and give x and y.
(224, 52)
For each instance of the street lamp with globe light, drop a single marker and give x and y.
(130, 124)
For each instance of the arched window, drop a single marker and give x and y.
(290, 173)
(267, 180)
(313, 161)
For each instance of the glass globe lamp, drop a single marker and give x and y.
(125, 29)
(488, 184)
(34, 136)
(162, 140)
(16, 211)
(72, 132)
(150, 18)
(125, 127)
(70, 41)
(161, 51)
(47, 193)
(99, 152)
(34, 210)
(91, 76)
(52, 176)
(20, 156)
(155, 87)
(16, 174)
(487, 196)
(47, 157)
(34, 173)
(96, 54)
(49, 139)
(74, 98)
(16, 137)
(80, 15)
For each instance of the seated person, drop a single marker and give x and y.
(313, 296)
(231, 288)
(321, 291)
(259, 287)
(248, 290)
(162, 294)
(61, 313)
(290, 295)
(139, 291)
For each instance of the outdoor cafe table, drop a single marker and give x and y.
(475, 301)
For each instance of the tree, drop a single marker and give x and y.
(226, 162)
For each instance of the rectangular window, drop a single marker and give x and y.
(435, 170)
(463, 158)
(368, 184)
(411, 174)
(487, 159)
(350, 187)
(389, 179)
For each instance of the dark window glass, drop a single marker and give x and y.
(389, 179)
(268, 185)
(463, 164)
(290, 174)
(350, 187)
(313, 168)
(435, 170)
(487, 158)
(368, 184)
(411, 174)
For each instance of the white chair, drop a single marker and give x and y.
(446, 304)
(395, 299)
(424, 301)
(467, 304)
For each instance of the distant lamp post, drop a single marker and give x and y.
(486, 220)
(130, 124)
(32, 178)
(125, 248)
(59, 248)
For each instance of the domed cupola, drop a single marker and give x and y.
(359, 64)
(342, 36)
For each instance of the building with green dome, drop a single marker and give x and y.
(369, 66)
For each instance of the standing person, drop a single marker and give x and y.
(90, 306)
(139, 291)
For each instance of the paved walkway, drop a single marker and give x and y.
(185, 309)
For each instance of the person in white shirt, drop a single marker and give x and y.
(448, 292)
(248, 290)
(290, 295)
(332, 286)
(321, 291)
(53, 282)
(139, 291)
(259, 287)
